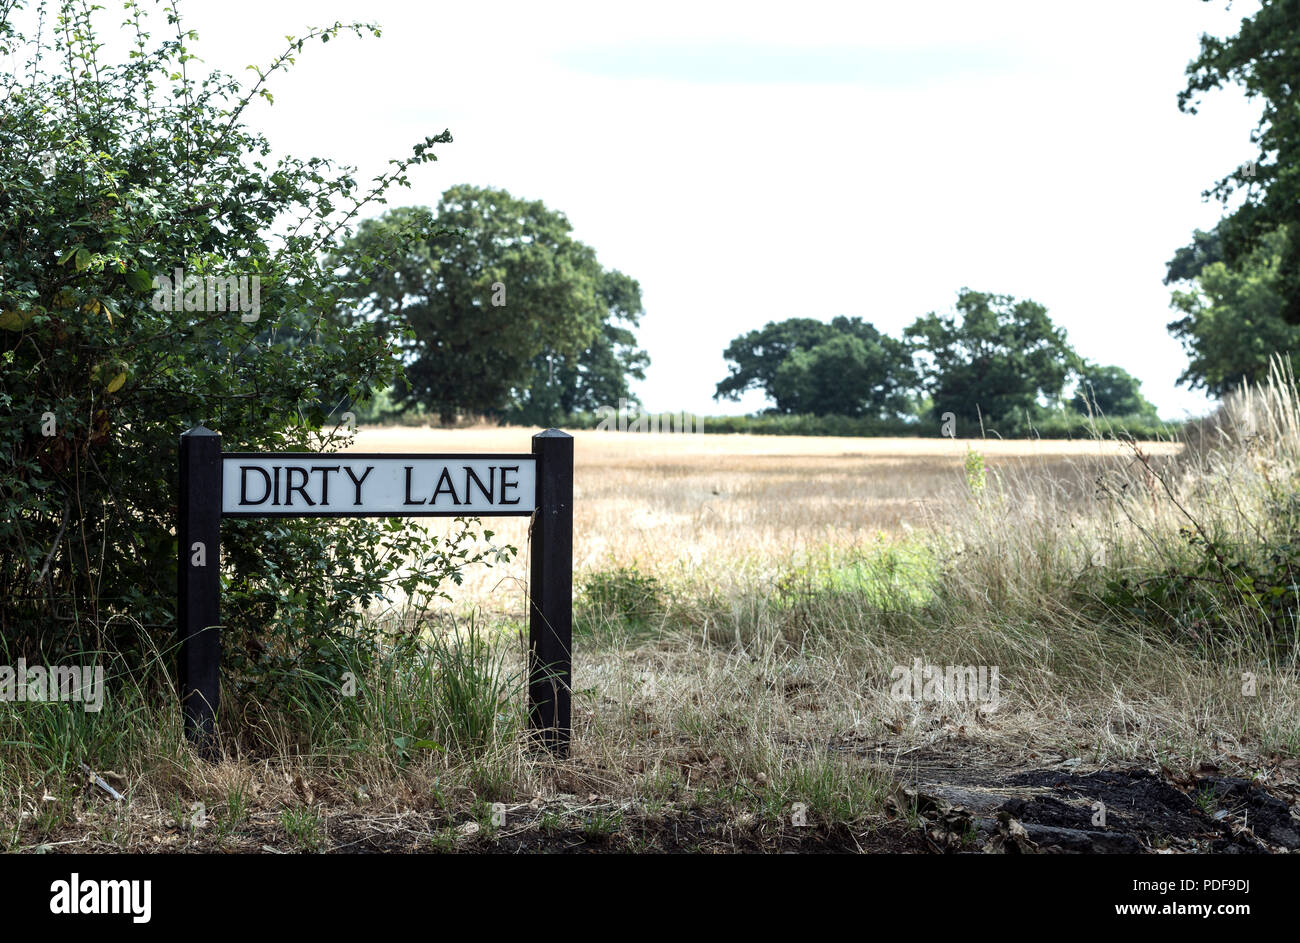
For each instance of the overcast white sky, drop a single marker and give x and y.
(751, 162)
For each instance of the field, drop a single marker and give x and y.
(756, 620)
(753, 506)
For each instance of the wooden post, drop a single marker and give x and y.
(550, 587)
(198, 534)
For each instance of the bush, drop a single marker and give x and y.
(1223, 586)
(623, 593)
(116, 175)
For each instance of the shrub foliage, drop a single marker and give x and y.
(116, 174)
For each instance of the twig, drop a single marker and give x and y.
(57, 540)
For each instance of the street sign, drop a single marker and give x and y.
(539, 484)
(315, 485)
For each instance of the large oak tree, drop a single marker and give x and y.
(998, 359)
(500, 307)
(845, 367)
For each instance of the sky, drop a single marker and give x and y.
(759, 161)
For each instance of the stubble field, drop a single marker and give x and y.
(750, 507)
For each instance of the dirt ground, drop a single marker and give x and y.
(1126, 811)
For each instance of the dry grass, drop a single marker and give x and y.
(750, 505)
(784, 581)
(764, 655)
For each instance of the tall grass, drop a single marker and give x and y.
(1049, 577)
(447, 701)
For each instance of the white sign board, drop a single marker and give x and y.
(319, 485)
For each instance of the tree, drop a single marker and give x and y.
(1000, 360)
(757, 356)
(599, 375)
(1264, 58)
(1111, 391)
(845, 367)
(1232, 318)
(1191, 259)
(494, 295)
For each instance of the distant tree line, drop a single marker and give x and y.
(498, 311)
(996, 361)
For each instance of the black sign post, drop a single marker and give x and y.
(198, 598)
(214, 484)
(550, 584)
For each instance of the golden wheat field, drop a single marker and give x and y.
(674, 503)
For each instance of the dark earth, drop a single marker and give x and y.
(1058, 811)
